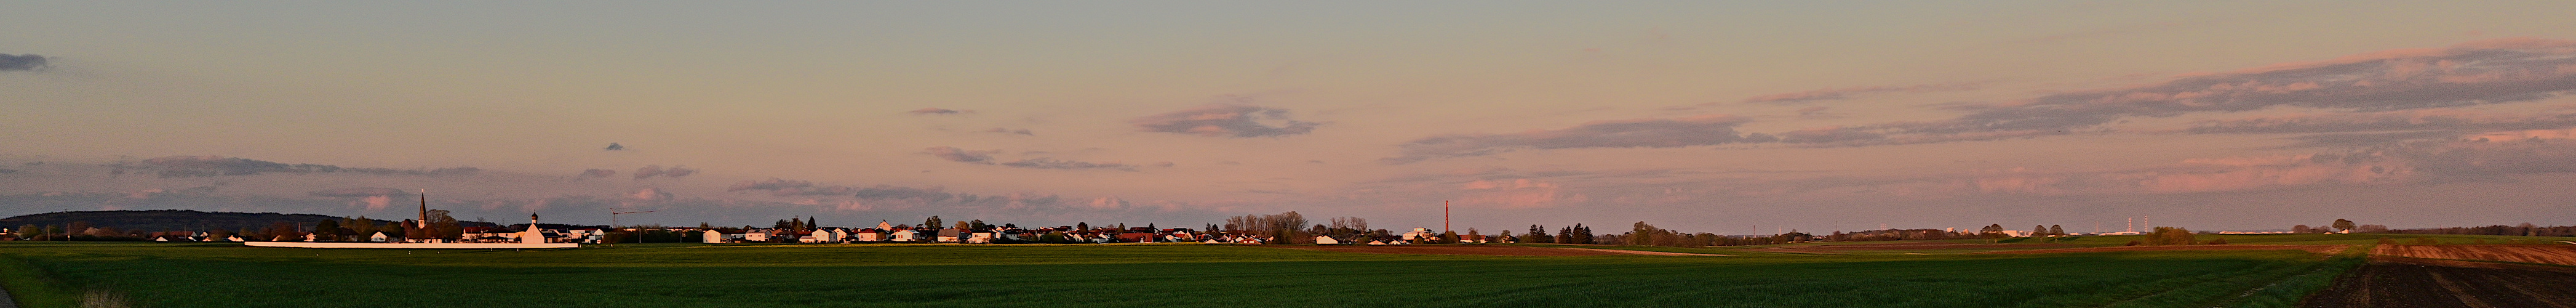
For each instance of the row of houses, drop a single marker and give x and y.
(886, 233)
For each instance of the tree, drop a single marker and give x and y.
(933, 222)
(2170, 236)
(444, 227)
(2342, 225)
(327, 231)
(1449, 237)
(1537, 234)
(978, 224)
(964, 225)
(1082, 226)
(361, 225)
(2303, 229)
(2038, 231)
(1583, 235)
(1992, 231)
(2054, 230)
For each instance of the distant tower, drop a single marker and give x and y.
(424, 209)
(1444, 216)
(532, 235)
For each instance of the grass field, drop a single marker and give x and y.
(689, 275)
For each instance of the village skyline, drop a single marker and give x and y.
(1730, 118)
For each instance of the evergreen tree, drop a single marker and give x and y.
(1537, 234)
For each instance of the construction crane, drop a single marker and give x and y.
(612, 223)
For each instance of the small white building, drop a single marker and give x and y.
(711, 237)
(867, 236)
(533, 235)
(1419, 234)
(1326, 240)
(380, 237)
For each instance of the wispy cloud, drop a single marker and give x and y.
(598, 173)
(354, 192)
(2401, 120)
(1634, 133)
(1022, 131)
(939, 111)
(2474, 73)
(1843, 93)
(1225, 120)
(1050, 163)
(2483, 72)
(25, 62)
(657, 170)
(962, 155)
(198, 166)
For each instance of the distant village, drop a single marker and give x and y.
(435, 227)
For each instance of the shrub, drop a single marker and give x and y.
(2132, 243)
(2219, 241)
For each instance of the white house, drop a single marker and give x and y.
(711, 237)
(1326, 240)
(380, 237)
(870, 235)
(907, 235)
(981, 238)
(1420, 234)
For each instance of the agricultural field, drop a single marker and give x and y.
(2541, 254)
(47, 274)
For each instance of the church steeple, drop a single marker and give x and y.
(424, 209)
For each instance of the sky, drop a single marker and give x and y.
(1700, 116)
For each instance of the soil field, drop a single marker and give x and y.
(1487, 250)
(2398, 282)
(2543, 254)
(1840, 249)
(2319, 249)
(1934, 245)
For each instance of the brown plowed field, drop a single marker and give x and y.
(2544, 254)
(1488, 250)
(1921, 246)
(2399, 282)
(1838, 249)
(2320, 249)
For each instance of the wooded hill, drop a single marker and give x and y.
(176, 220)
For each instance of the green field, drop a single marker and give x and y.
(690, 275)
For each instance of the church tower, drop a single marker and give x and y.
(533, 235)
